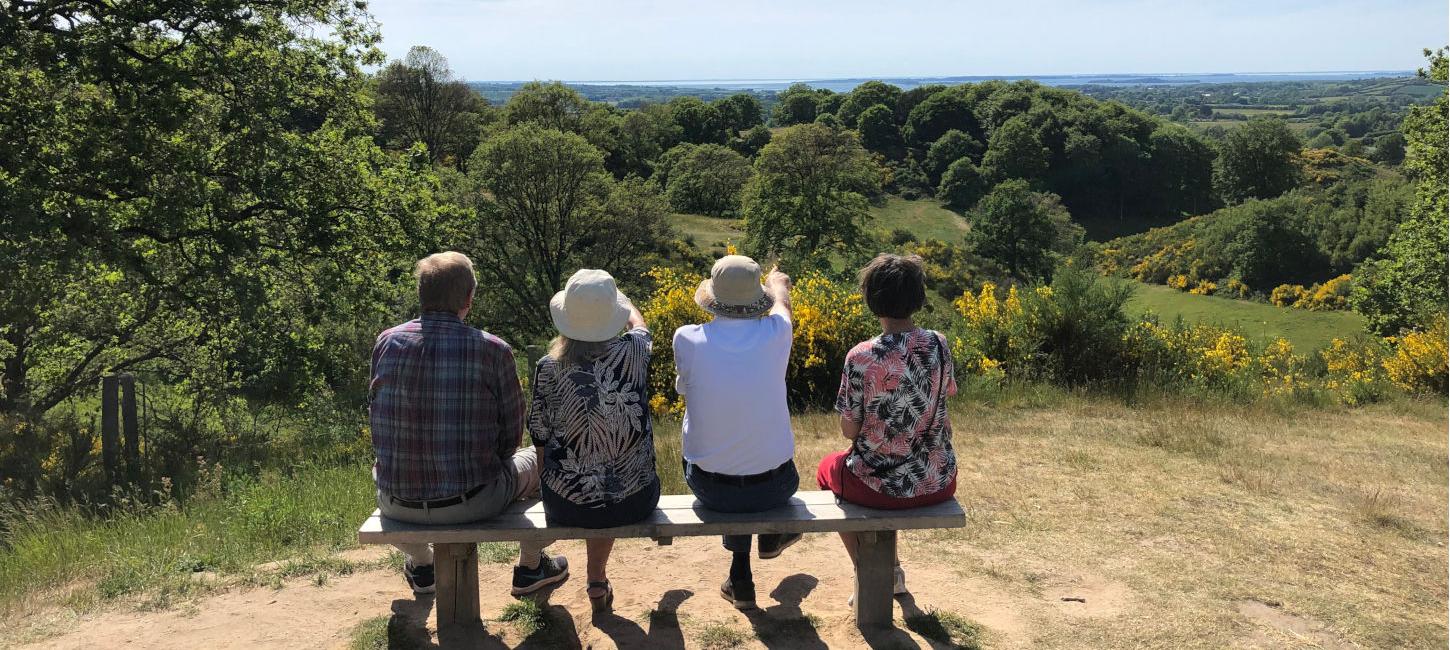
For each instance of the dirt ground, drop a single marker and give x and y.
(665, 597)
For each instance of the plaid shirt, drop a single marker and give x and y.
(445, 407)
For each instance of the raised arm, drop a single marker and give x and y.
(636, 319)
(777, 284)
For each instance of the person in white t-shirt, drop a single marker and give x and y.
(738, 445)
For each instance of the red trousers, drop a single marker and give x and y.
(832, 475)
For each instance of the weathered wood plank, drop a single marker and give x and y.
(677, 516)
(875, 558)
(455, 569)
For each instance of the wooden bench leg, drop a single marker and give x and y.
(455, 568)
(875, 559)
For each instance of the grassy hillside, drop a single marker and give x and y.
(1305, 329)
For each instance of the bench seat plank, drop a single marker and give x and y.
(678, 515)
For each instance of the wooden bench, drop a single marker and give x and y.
(456, 551)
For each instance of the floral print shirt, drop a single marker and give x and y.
(896, 386)
(592, 424)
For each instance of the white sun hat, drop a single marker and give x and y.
(590, 308)
(733, 289)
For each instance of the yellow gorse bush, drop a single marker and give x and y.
(830, 319)
(1282, 370)
(670, 306)
(1354, 372)
(1418, 363)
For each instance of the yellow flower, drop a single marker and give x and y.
(1419, 363)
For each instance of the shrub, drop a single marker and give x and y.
(671, 305)
(1418, 362)
(1333, 294)
(1204, 288)
(830, 318)
(1354, 372)
(1287, 295)
(1069, 332)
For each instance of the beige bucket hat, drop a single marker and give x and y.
(733, 289)
(590, 308)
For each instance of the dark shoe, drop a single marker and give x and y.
(420, 578)
(740, 594)
(603, 603)
(551, 570)
(774, 551)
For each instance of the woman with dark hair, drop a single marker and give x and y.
(893, 405)
(589, 419)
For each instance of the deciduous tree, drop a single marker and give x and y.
(708, 180)
(808, 197)
(1258, 161)
(421, 100)
(1013, 226)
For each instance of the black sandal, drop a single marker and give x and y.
(602, 603)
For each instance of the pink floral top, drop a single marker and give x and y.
(896, 386)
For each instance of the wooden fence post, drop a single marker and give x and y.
(129, 429)
(109, 425)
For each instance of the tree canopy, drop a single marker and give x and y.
(808, 197)
(1257, 161)
(194, 187)
(420, 100)
(1406, 285)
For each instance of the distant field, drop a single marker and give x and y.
(1253, 110)
(1305, 329)
(924, 218)
(709, 232)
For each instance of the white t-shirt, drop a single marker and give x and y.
(732, 374)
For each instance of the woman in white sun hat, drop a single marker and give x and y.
(737, 440)
(589, 418)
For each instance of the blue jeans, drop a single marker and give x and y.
(725, 497)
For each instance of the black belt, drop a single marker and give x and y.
(437, 503)
(732, 479)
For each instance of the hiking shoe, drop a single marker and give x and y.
(420, 578)
(774, 551)
(740, 594)
(551, 570)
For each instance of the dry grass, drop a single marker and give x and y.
(1168, 516)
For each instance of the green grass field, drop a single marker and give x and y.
(1305, 329)
(924, 218)
(709, 232)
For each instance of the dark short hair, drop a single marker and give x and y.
(894, 286)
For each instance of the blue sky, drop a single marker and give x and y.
(803, 39)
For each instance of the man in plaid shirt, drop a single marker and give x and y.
(447, 418)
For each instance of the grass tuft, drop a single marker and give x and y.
(946, 627)
(527, 616)
(720, 636)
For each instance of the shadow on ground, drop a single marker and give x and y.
(664, 625)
